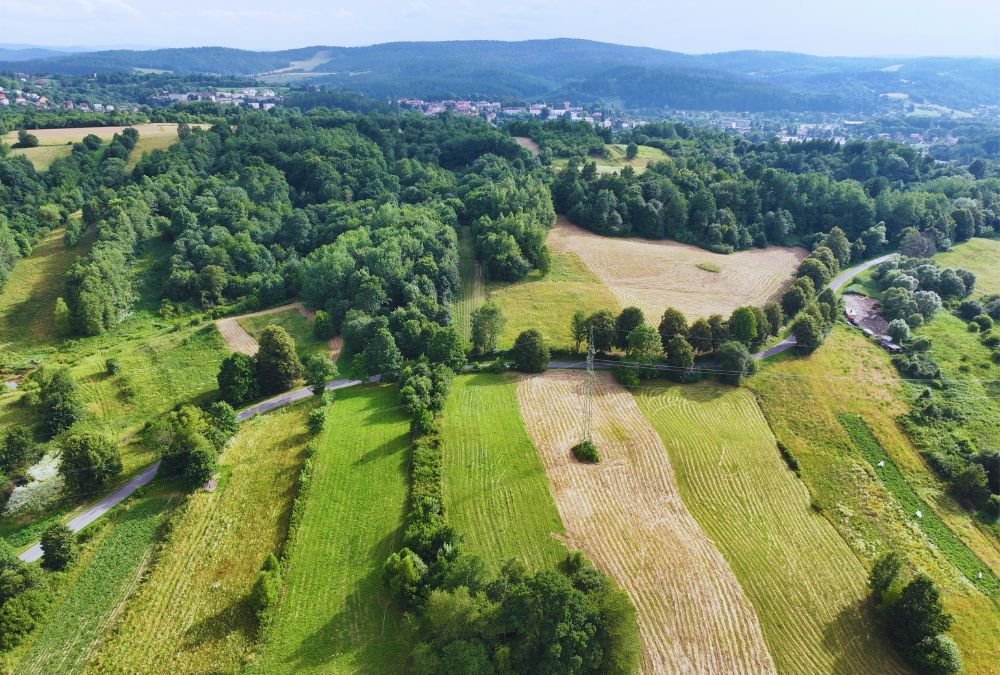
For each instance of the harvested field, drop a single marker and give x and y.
(626, 513)
(528, 145)
(654, 275)
(756, 510)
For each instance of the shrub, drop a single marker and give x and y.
(316, 421)
(58, 547)
(586, 451)
(60, 400)
(969, 309)
(736, 362)
(899, 330)
(626, 376)
(789, 458)
(267, 589)
(237, 379)
(973, 327)
(992, 507)
(915, 320)
(112, 367)
(983, 321)
(990, 339)
(89, 462)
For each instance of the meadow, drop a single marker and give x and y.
(334, 615)
(627, 515)
(496, 493)
(298, 325)
(786, 557)
(56, 143)
(78, 622)
(801, 399)
(654, 275)
(472, 292)
(614, 158)
(192, 613)
(980, 256)
(547, 302)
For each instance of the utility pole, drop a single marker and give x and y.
(588, 397)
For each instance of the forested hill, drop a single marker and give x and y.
(636, 77)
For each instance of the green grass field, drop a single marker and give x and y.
(70, 634)
(614, 159)
(801, 398)
(56, 143)
(980, 256)
(472, 292)
(807, 587)
(298, 326)
(496, 492)
(191, 613)
(335, 615)
(548, 302)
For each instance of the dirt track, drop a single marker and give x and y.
(238, 340)
(627, 515)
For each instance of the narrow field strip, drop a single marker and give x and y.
(335, 615)
(192, 612)
(472, 291)
(917, 509)
(626, 513)
(77, 624)
(496, 493)
(807, 586)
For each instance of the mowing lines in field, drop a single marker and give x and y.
(917, 509)
(495, 490)
(472, 292)
(627, 515)
(192, 614)
(70, 634)
(334, 615)
(802, 578)
(654, 275)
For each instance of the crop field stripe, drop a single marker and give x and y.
(496, 493)
(191, 613)
(70, 634)
(627, 515)
(334, 615)
(800, 575)
(472, 291)
(910, 502)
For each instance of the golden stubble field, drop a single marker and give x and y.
(654, 275)
(626, 514)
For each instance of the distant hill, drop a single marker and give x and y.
(636, 77)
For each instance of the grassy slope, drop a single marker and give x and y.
(801, 398)
(736, 485)
(495, 489)
(335, 615)
(981, 256)
(80, 620)
(192, 614)
(471, 293)
(548, 302)
(298, 326)
(615, 159)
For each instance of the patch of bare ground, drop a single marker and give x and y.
(528, 145)
(654, 275)
(626, 514)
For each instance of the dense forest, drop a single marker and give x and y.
(729, 194)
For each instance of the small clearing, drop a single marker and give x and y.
(234, 331)
(626, 514)
(528, 145)
(980, 256)
(472, 291)
(654, 275)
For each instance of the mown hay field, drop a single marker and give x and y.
(654, 275)
(56, 143)
(192, 612)
(627, 515)
(472, 291)
(335, 615)
(71, 633)
(806, 585)
(496, 493)
(801, 398)
(980, 256)
(547, 302)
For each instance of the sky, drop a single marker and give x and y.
(844, 27)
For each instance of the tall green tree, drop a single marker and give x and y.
(601, 325)
(578, 328)
(530, 354)
(319, 370)
(88, 462)
(237, 379)
(488, 322)
(743, 325)
(278, 365)
(629, 319)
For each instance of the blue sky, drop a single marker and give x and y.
(845, 27)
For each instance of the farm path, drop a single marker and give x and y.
(626, 513)
(838, 282)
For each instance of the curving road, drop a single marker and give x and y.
(838, 282)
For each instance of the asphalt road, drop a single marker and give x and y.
(99, 509)
(838, 282)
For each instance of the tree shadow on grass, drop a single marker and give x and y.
(369, 627)
(853, 632)
(389, 448)
(236, 618)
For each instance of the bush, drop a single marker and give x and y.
(267, 589)
(530, 355)
(789, 458)
(112, 367)
(983, 321)
(899, 330)
(973, 327)
(316, 421)
(736, 362)
(237, 379)
(58, 547)
(969, 309)
(915, 320)
(586, 451)
(89, 462)
(992, 507)
(626, 376)
(990, 340)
